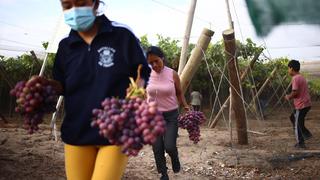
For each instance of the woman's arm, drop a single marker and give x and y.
(58, 70)
(180, 96)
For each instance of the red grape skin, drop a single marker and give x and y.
(129, 123)
(191, 121)
(35, 97)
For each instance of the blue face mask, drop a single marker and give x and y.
(80, 18)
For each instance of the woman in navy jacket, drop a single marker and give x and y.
(94, 62)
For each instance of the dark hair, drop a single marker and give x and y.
(155, 51)
(99, 6)
(295, 65)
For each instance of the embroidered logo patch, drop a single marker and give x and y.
(106, 56)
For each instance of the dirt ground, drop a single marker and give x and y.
(269, 155)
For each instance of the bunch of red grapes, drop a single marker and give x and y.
(130, 123)
(191, 121)
(35, 98)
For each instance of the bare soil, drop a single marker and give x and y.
(269, 155)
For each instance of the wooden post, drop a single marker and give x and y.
(243, 76)
(33, 55)
(184, 50)
(195, 58)
(237, 103)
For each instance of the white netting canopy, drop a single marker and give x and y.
(62, 30)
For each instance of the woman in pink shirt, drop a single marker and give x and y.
(164, 88)
(301, 101)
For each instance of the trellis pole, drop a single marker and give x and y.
(184, 50)
(229, 15)
(44, 63)
(34, 56)
(54, 115)
(264, 85)
(54, 118)
(237, 104)
(276, 90)
(290, 105)
(281, 97)
(195, 58)
(243, 76)
(61, 30)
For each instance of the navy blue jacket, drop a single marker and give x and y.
(90, 73)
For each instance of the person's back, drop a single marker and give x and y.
(196, 98)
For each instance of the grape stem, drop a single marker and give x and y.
(134, 89)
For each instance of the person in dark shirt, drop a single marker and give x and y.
(94, 62)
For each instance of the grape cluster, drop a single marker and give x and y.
(191, 121)
(35, 97)
(130, 123)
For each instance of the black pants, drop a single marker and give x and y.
(297, 120)
(167, 142)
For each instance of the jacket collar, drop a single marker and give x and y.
(104, 27)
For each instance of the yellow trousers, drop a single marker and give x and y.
(94, 162)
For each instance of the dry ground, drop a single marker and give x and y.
(269, 155)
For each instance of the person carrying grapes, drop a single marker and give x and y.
(164, 88)
(94, 62)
